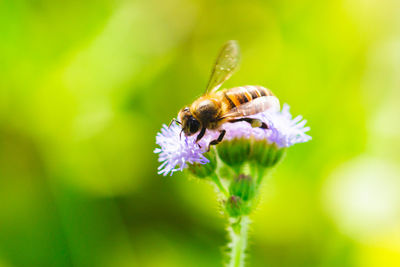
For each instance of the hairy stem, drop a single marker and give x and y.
(217, 181)
(238, 233)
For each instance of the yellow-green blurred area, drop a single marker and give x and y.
(85, 86)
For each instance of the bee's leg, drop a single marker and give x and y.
(255, 123)
(201, 134)
(218, 140)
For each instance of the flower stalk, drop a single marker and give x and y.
(238, 231)
(214, 177)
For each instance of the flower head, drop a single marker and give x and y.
(176, 150)
(285, 131)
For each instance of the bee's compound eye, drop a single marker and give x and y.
(194, 125)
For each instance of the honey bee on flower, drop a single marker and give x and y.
(225, 114)
(216, 107)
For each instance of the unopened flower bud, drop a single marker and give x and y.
(234, 206)
(243, 186)
(234, 152)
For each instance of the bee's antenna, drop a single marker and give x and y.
(174, 120)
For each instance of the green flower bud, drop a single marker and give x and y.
(205, 170)
(234, 206)
(234, 152)
(265, 154)
(243, 186)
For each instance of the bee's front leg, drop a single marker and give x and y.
(217, 141)
(201, 134)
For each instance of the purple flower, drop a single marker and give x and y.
(177, 151)
(286, 131)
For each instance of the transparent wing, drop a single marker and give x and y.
(226, 64)
(255, 106)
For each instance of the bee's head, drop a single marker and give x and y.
(189, 123)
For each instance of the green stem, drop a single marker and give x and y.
(260, 174)
(238, 234)
(217, 181)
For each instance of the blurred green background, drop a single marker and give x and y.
(85, 86)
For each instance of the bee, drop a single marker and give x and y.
(216, 107)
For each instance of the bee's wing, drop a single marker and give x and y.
(226, 64)
(253, 107)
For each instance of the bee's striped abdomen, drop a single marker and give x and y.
(237, 96)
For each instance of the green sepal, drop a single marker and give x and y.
(266, 154)
(234, 152)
